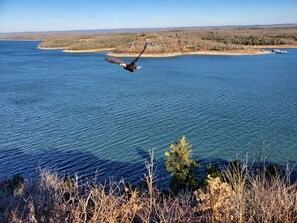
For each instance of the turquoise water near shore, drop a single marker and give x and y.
(75, 113)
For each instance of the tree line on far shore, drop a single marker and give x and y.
(171, 41)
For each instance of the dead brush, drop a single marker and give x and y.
(109, 204)
(242, 195)
(271, 199)
(218, 202)
(248, 196)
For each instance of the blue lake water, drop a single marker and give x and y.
(76, 113)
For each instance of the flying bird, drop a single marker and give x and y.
(131, 66)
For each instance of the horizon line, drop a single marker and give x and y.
(151, 28)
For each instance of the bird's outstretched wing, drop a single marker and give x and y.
(114, 60)
(144, 48)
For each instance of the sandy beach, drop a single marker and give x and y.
(75, 51)
(203, 52)
(253, 50)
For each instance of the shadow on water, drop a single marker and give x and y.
(85, 164)
(88, 166)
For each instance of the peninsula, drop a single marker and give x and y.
(166, 43)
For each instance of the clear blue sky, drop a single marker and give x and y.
(50, 15)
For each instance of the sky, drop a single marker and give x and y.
(64, 15)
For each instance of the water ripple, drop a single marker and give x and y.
(76, 114)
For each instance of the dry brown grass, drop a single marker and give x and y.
(270, 200)
(248, 196)
(242, 196)
(54, 199)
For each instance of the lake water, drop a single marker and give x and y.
(76, 113)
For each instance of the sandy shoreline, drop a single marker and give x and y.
(25, 40)
(75, 51)
(204, 52)
(254, 50)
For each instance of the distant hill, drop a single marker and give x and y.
(123, 30)
(166, 40)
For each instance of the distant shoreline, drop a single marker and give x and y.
(23, 40)
(88, 51)
(64, 49)
(202, 52)
(224, 42)
(253, 50)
